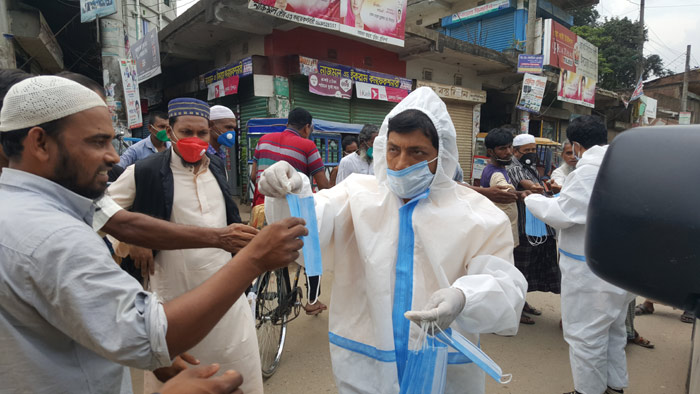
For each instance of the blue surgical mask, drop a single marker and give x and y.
(227, 139)
(411, 181)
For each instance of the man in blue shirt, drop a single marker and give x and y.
(156, 142)
(71, 319)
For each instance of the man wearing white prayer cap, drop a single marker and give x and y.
(222, 124)
(536, 259)
(71, 320)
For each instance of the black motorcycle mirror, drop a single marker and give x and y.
(643, 230)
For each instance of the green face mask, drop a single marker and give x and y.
(162, 135)
(370, 151)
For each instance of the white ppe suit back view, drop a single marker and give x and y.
(389, 257)
(593, 310)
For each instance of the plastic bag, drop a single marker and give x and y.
(426, 367)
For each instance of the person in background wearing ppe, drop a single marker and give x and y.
(408, 243)
(538, 262)
(187, 186)
(567, 155)
(349, 145)
(361, 161)
(499, 148)
(222, 124)
(157, 141)
(593, 310)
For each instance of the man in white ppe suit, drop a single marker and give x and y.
(593, 310)
(407, 239)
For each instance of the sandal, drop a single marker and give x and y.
(530, 310)
(315, 309)
(687, 317)
(643, 309)
(525, 319)
(641, 341)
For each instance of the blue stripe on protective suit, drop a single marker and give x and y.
(573, 256)
(387, 356)
(403, 288)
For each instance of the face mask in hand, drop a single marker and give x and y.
(529, 159)
(227, 139)
(411, 181)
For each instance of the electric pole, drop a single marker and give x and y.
(640, 63)
(531, 30)
(686, 74)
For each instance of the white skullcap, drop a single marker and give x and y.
(523, 139)
(220, 112)
(42, 99)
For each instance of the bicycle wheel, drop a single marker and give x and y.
(271, 320)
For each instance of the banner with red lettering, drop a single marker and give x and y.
(376, 92)
(376, 20)
(329, 85)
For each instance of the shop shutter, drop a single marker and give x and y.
(250, 107)
(468, 32)
(462, 115)
(363, 111)
(321, 107)
(499, 32)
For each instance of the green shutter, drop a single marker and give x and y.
(251, 107)
(363, 111)
(321, 107)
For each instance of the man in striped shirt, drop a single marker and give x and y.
(293, 146)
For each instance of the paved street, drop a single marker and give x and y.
(537, 357)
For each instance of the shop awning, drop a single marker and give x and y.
(276, 125)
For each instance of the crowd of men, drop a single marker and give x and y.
(406, 242)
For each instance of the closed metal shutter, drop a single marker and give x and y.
(364, 111)
(462, 115)
(499, 32)
(468, 32)
(321, 107)
(250, 107)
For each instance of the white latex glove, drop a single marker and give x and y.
(280, 179)
(443, 307)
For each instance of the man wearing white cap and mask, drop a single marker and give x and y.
(408, 243)
(186, 185)
(535, 258)
(70, 316)
(222, 123)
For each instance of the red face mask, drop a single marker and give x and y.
(192, 149)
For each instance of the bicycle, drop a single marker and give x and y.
(278, 302)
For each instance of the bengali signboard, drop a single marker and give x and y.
(224, 87)
(131, 92)
(91, 9)
(377, 20)
(532, 93)
(146, 51)
(567, 51)
(310, 66)
(478, 11)
(531, 64)
(329, 85)
(684, 118)
(376, 92)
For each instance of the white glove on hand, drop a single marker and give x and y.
(280, 179)
(443, 307)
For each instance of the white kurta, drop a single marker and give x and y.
(353, 164)
(382, 250)
(198, 201)
(593, 310)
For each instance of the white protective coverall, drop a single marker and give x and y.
(389, 257)
(593, 310)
